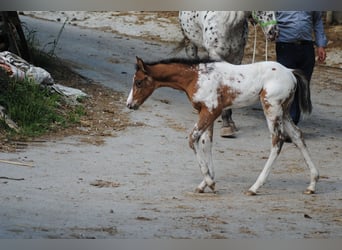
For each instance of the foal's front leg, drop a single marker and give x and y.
(200, 140)
(203, 151)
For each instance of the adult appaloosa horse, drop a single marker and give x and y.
(223, 36)
(213, 86)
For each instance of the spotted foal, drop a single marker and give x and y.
(213, 86)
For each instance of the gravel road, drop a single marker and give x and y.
(139, 184)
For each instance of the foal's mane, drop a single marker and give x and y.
(186, 61)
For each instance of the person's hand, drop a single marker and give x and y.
(321, 54)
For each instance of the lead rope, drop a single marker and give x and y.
(254, 47)
(255, 37)
(266, 47)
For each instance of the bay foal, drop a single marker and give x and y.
(213, 86)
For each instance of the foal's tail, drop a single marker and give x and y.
(303, 92)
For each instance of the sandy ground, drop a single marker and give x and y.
(139, 182)
(163, 26)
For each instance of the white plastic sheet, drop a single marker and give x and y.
(18, 68)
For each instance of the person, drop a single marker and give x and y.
(295, 45)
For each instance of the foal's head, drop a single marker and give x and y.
(143, 86)
(268, 23)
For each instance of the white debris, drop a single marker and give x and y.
(68, 91)
(18, 68)
(10, 123)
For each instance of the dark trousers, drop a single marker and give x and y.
(296, 56)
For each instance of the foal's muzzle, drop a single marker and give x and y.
(132, 106)
(130, 103)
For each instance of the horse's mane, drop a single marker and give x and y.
(186, 61)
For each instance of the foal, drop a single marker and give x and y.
(213, 86)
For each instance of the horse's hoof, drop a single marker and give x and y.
(250, 193)
(308, 191)
(199, 191)
(227, 132)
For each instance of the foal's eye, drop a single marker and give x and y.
(138, 83)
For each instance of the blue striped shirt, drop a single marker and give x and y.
(301, 25)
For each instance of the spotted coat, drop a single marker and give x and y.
(222, 34)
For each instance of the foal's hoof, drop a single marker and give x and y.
(308, 191)
(212, 187)
(250, 193)
(199, 191)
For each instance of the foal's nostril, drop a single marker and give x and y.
(132, 106)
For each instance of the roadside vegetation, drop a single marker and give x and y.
(35, 109)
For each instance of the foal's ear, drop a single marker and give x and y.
(141, 64)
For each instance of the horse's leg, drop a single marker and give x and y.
(275, 150)
(208, 150)
(297, 138)
(203, 149)
(228, 126)
(274, 117)
(200, 140)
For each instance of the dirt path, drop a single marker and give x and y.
(138, 182)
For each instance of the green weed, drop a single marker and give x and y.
(35, 109)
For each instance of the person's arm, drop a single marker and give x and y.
(320, 37)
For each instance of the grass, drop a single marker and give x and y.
(35, 109)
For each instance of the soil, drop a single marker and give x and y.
(103, 111)
(130, 174)
(104, 106)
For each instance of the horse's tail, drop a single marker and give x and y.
(303, 87)
(181, 45)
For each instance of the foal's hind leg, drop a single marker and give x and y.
(297, 138)
(275, 124)
(275, 150)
